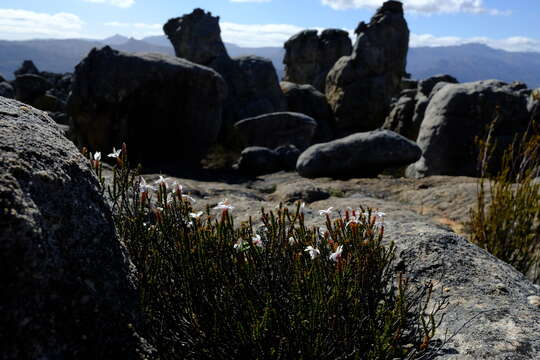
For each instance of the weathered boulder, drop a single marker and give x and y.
(358, 155)
(168, 110)
(360, 87)
(459, 113)
(305, 99)
(258, 160)
(400, 119)
(276, 129)
(29, 87)
(68, 287)
(309, 56)
(253, 86)
(427, 85)
(27, 67)
(6, 90)
(288, 155)
(407, 113)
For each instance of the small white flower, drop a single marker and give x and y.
(380, 214)
(177, 187)
(313, 252)
(335, 256)
(224, 205)
(353, 220)
(97, 156)
(239, 245)
(144, 187)
(292, 241)
(115, 153)
(160, 181)
(256, 240)
(326, 212)
(302, 207)
(196, 215)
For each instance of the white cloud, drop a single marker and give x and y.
(257, 35)
(515, 43)
(119, 3)
(425, 7)
(16, 24)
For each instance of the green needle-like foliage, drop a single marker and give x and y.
(210, 289)
(506, 218)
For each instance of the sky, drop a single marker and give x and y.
(503, 24)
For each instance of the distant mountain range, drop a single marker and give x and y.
(468, 62)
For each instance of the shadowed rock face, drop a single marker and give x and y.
(359, 88)
(68, 287)
(305, 99)
(309, 56)
(253, 86)
(168, 110)
(278, 129)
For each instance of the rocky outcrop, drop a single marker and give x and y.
(358, 155)
(407, 113)
(309, 56)
(253, 86)
(27, 68)
(41, 89)
(277, 129)
(360, 87)
(464, 111)
(68, 287)
(305, 99)
(167, 109)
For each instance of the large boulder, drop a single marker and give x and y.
(168, 110)
(309, 56)
(29, 87)
(7, 90)
(458, 114)
(407, 113)
(68, 287)
(358, 155)
(257, 160)
(360, 87)
(305, 99)
(252, 81)
(277, 129)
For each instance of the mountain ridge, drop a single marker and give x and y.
(467, 62)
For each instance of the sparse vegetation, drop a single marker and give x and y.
(210, 289)
(506, 219)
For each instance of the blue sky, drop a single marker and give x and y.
(510, 25)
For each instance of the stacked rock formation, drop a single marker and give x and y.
(309, 56)
(359, 88)
(253, 86)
